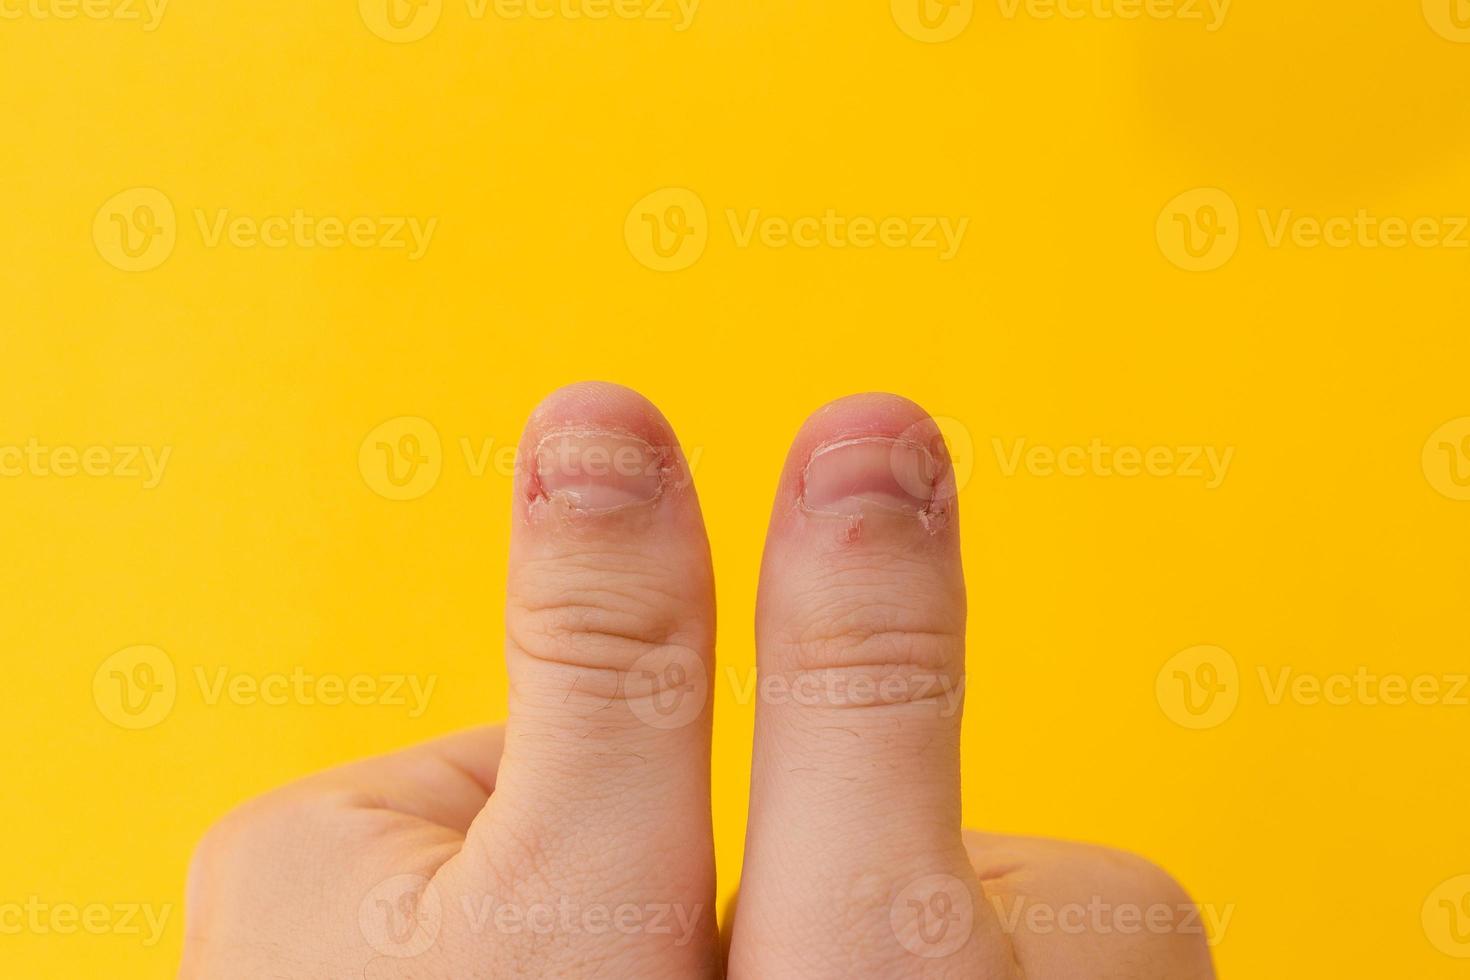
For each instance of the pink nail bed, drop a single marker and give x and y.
(855, 476)
(598, 471)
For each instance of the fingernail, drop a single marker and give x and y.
(851, 477)
(597, 472)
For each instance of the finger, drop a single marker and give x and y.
(855, 795)
(390, 817)
(610, 633)
(610, 614)
(862, 611)
(1067, 907)
(445, 781)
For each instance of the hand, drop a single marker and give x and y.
(577, 841)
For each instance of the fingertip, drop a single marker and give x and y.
(598, 404)
(873, 413)
(609, 609)
(865, 456)
(593, 448)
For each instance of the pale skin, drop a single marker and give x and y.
(576, 840)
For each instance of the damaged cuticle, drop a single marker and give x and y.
(595, 471)
(857, 477)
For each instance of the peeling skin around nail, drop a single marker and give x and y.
(932, 514)
(567, 504)
(934, 517)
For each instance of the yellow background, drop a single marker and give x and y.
(1323, 830)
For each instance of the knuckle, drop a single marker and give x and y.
(224, 844)
(875, 645)
(1179, 935)
(609, 618)
(1122, 906)
(872, 668)
(258, 829)
(602, 624)
(586, 638)
(845, 628)
(1131, 878)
